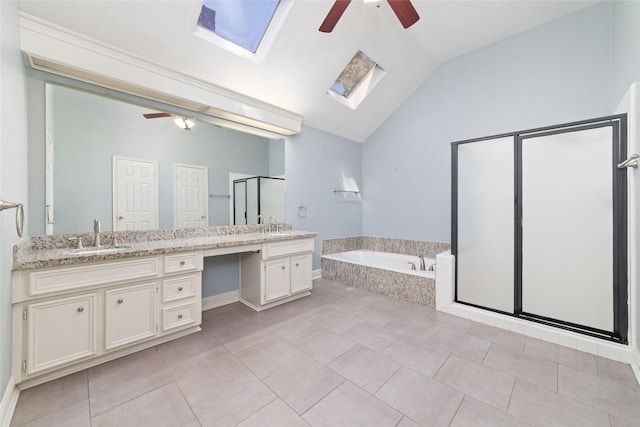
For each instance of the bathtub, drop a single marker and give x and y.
(382, 272)
(386, 261)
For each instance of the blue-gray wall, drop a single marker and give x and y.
(556, 73)
(626, 70)
(316, 163)
(13, 167)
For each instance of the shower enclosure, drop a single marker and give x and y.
(258, 195)
(539, 225)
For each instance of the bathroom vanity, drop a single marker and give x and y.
(76, 309)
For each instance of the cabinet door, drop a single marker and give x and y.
(129, 314)
(60, 331)
(276, 280)
(301, 273)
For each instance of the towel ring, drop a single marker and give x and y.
(302, 211)
(19, 214)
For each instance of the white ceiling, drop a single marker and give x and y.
(304, 62)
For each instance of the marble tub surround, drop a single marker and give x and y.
(406, 287)
(384, 244)
(50, 251)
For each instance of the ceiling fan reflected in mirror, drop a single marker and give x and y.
(181, 122)
(403, 9)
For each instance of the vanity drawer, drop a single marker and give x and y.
(174, 317)
(70, 278)
(191, 261)
(180, 287)
(277, 249)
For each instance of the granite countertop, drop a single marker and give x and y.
(34, 254)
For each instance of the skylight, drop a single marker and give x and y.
(356, 80)
(244, 27)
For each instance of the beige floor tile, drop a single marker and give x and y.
(616, 371)
(198, 371)
(349, 405)
(303, 382)
(542, 407)
(164, 406)
(233, 397)
(498, 336)
(377, 314)
(422, 399)
(175, 351)
(276, 414)
(473, 413)
(565, 356)
(521, 365)
(324, 345)
(268, 356)
(121, 380)
(371, 336)
(615, 398)
(417, 356)
(365, 368)
(478, 381)
(50, 397)
(407, 422)
(413, 327)
(619, 422)
(450, 321)
(74, 415)
(337, 321)
(293, 329)
(461, 344)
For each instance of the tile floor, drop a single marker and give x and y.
(342, 357)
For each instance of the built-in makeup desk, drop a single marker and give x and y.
(76, 308)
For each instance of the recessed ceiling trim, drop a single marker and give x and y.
(54, 49)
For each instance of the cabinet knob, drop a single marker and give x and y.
(179, 316)
(120, 300)
(180, 289)
(282, 267)
(297, 264)
(181, 262)
(80, 309)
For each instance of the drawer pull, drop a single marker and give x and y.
(120, 300)
(80, 309)
(179, 316)
(181, 262)
(297, 264)
(282, 267)
(180, 289)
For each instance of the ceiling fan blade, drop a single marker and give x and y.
(405, 12)
(156, 115)
(334, 15)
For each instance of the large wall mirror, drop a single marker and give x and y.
(106, 161)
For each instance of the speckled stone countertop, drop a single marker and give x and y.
(52, 251)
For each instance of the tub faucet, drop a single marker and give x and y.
(96, 233)
(422, 266)
(432, 267)
(413, 265)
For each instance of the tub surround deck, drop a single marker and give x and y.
(57, 250)
(407, 287)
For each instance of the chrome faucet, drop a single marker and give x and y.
(261, 223)
(272, 218)
(422, 266)
(96, 233)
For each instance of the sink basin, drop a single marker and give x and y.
(96, 251)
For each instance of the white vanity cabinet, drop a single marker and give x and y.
(278, 273)
(72, 317)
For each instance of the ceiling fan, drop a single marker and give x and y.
(403, 9)
(181, 122)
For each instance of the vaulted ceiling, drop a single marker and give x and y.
(303, 62)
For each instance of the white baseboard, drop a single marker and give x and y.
(219, 300)
(8, 403)
(635, 364)
(316, 274)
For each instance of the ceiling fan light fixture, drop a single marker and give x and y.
(184, 123)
